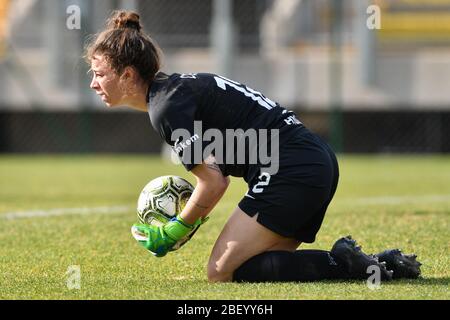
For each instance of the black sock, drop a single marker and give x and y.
(301, 265)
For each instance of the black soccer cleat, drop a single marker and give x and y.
(357, 262)
(404, 266)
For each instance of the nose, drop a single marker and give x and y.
(94, 84)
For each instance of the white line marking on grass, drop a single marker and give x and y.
(65, 211)
(394, 200)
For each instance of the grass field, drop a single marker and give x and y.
(382, 201)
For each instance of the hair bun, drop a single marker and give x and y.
(124, 20)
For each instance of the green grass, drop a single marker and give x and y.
(383, 201)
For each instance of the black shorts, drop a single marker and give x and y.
(293, 202)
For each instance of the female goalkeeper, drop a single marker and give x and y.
(288, 192)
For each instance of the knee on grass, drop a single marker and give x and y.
(217, 274)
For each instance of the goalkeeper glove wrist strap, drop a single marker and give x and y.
(177, 228)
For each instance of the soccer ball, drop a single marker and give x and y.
(162, 199)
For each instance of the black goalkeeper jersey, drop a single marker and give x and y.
(189, 111)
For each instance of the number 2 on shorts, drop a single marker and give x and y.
(264, 180)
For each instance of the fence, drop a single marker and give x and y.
(370, 76)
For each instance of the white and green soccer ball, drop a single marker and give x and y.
(162, 199)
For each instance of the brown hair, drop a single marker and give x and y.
(123, 44)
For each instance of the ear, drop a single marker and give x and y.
(128, 73)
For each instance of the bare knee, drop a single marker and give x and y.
(218, 274)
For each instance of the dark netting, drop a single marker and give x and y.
(368, 132)
(187, 24)
(77, 132)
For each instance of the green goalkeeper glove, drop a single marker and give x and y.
(160, 240)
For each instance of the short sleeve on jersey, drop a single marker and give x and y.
(178, 127)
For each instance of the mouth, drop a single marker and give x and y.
(102, 95)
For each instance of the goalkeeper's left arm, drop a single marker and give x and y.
(211, 185)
